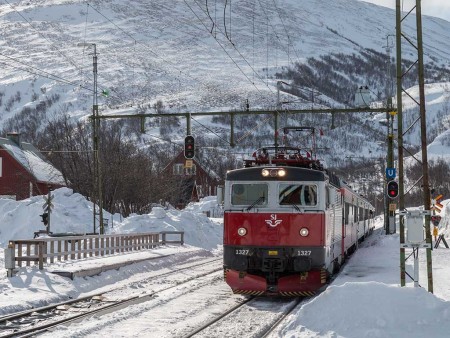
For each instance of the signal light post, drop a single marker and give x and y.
(392, 189)
(48, 205)
(392, 192)
(45, 218)
(189, 147)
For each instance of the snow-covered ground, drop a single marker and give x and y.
(365, 300)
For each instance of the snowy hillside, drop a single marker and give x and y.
(196, 56)
(174, 51)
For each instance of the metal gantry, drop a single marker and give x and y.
(275, 113)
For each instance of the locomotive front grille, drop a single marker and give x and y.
(273, 265)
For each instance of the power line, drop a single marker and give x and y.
(223, 48)
(208, 86)
(289, 40)
(257, 126)
(41, 35)
(218, 136)
(234, 46)
(52, 76)
(43, 73)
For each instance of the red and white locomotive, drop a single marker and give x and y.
(288, 224)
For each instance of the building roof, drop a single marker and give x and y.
(180, 159)
(33, 161)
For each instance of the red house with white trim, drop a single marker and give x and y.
(189, 183)
(24, 171)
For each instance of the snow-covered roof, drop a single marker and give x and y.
(33, 161)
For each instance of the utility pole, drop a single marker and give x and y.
(401, 188)
(389, 221)
(97, 181)
(423, 131)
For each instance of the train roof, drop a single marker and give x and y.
(283, 156)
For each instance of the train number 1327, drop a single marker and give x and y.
(244, 252)
(304, 253)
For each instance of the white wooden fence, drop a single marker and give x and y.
(47, 250)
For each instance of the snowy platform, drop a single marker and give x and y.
(95, 265)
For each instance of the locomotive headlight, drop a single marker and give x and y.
(281, 173)
(304, 232)
(242, 231)
(265, 172)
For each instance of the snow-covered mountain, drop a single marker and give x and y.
(193, 55)
(199, 56)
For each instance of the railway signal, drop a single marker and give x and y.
(189, 147)
(44, 218)
(436, 206)
(435, 219)
(48, 206)
(392, 189)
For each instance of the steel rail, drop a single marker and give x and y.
(117, 305)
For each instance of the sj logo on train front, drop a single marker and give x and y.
(273, 221)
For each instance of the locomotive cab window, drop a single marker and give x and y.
(248, 194)
(298, 194)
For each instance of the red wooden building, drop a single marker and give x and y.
(24, 171)
(188, 183)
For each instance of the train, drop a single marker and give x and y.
(289, 224)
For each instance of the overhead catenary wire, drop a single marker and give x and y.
(265, 120)
(252, 67)
(212, 131)
(226, 52)
(209, 15)
(206, 85)
(289, 40)
(109, 20)
(240, 54)
(42, 73)
(267, 34)
(53, 45)
(73, 63)
(55, 77)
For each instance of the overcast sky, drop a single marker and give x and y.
(438, 8)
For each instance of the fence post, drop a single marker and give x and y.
(10, 259)
(41, 255)
(72, 248)
(52, 251)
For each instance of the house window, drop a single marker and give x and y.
(191, 171)
(178, 169)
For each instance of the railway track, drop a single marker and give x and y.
(230, 323)
(34, 321)
(253, 317)
(205, 303)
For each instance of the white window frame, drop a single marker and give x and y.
(178, 169)
(191, 171)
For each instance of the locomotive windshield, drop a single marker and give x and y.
(248, 194)
(298, 194)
